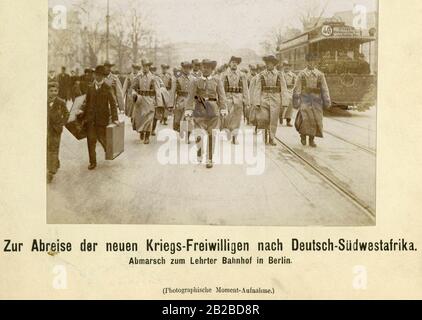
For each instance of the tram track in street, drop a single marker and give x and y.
(350, 124)
(366, 149)
(369, 212)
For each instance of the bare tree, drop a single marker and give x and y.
(120, 40)
(129, 34)
(92, 33)
(62, 45)
(311, 12)
(276, 37)
(139, 34)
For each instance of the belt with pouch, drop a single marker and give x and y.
(147, 93)
(290, 86)
(234, 90)
(271, 89)
(205, 99)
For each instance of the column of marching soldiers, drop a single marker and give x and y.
(198, 95)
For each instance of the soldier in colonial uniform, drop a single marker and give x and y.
(196, 68)
(206, 103)
(252, 73)
(179, 94)
(268, 98)
(147, 97)
(252, 86)
(159, 110)
(112, 80)
(310, 95)
(99, 108)
(169, 81)
(237, 96)
(290, 78)
(130, 80)
(57, 116)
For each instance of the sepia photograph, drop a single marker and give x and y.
(212, 113)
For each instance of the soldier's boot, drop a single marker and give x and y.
(92, 166)
(199, 152)
(303, 139)
(281, 121)
(154, 126)
(289, 122)
(312, 142)
(210, 165)
(210, 150)
(146, 141)
(234, 140)
(164, 121)
(256, 130)
(142, 135)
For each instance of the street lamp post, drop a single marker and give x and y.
(108, 30)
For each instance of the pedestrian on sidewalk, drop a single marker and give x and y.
(57, 116)
(99, 107)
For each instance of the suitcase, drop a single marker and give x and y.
(115, 140)
(77, 126)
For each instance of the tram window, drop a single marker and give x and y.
(302, 53)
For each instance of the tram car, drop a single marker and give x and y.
(345, 54)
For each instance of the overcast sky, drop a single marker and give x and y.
(238, 23)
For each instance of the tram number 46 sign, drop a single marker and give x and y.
(327, 31)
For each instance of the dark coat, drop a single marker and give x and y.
(57, 115)
(65, 85)
(86, 81)
(100, 105)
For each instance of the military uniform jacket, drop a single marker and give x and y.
(197, 74)
(269, 89)
(111, 80)
(210, 90)
(148, 88)
(236, 87)
(57, 115)
(252, 88)
(311, 88)
(100, 105)
(130, 80)
(180, 90)
(168, 80)
(290, 78)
